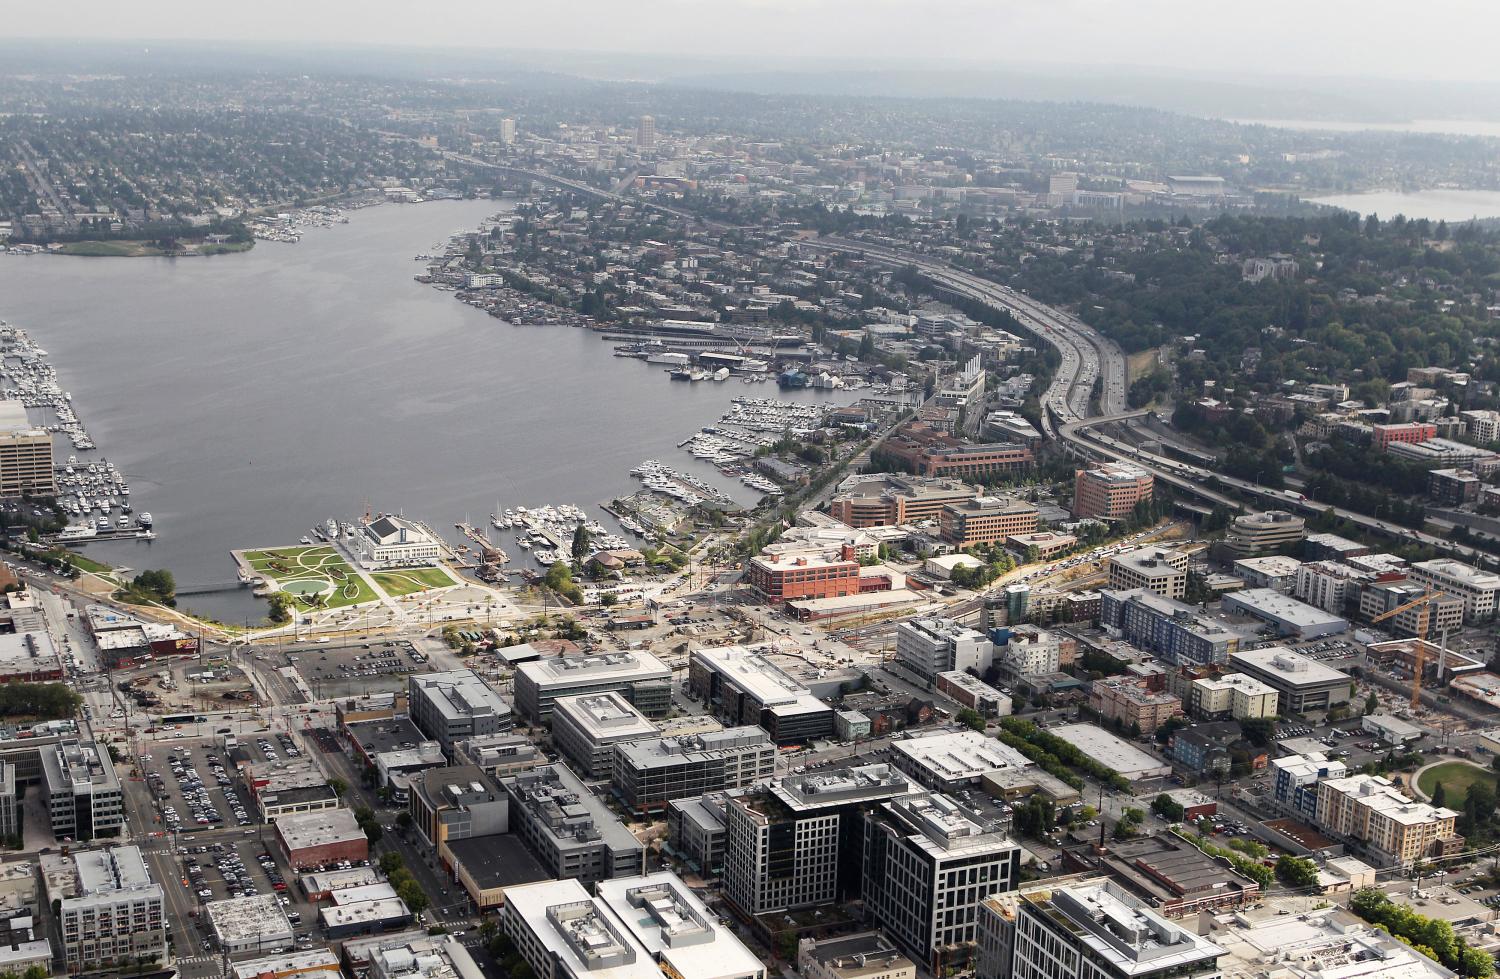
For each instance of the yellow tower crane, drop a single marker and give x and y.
(1422, 624)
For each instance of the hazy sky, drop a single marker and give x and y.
(1446, 39)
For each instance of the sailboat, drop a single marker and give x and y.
(495, 520)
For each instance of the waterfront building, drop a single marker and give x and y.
(393, 542)
(1110, 491)
(571, 832)
(455, 706)
(928, 647)
(639, 677)
(987, 519)
(26, 465)
(890, 499)
(81, 791)
(647, 774)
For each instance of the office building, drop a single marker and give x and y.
(789, 577)
(1131, 705)
(677, 929)
(570, 831)
(109, 910)
(928, 863)
(455, 706)
(1302, 684)
(1318, 943)
(288, 786)
(1392, 828)
(81, 791)
(1478, 589)
(1177, 632)
(25, 454)
(1284, 614)
(427, 957)
(455, 804)
(986, 520)
(585, 730)
(886, 499)
(647, 774)
(1157, 569)
(950, 761)
(1273, 571)
(931, 453)
(1102, 931)
(928, 647)
(798, 842)
(1416, 618)
(563, 933)
(867, 955)
(313, 839)
(1236, 696)
(9, 824)
(1260, 533)
(1295, 788)
(743, 687)
(1110, 491)
(968, 691)
(645, 133)
(637, 676)
(499, 754)
(695, 831)
(250, 924)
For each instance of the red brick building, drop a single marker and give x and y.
(780, 578)
(319, 839)
(1384, 435)
(1110, 491)
(932, 453)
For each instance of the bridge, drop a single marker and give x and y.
(209, 587)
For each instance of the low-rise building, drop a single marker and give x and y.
(1289, 617)
(1233, 695)
(428, 957)
(951, 761)
(250, 924)
(314, 839)
(457, 803)
(1302, 684)
(499, 754)
(867, 955)
(315, 963)
(1132, 705)
(392, 542)
(969, 691)
(1261, 533)
(986, 520)
(1273, 571)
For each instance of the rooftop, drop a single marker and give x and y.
(1319, 944)
(958, 755)
(579, 931)
(604, 716)
(603, 667)
(304, 829)
(834, 787)
(460, 693)
(1287, 665)
(312, 962)
(1122, 756)
(672, 924)
(1121, 930)
(694, 747)
(566, 810)
(386, 734)
(1269, 603)
(497, 861)
(240, 919)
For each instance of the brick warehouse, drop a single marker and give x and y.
(317, 839)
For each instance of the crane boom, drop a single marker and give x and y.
(1422, 624)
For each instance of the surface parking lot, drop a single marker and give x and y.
(195, 788)
(374, 667)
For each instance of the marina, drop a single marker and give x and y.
(750, 426)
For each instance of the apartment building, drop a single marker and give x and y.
(1295, 788)
(1392, 828)
(1177, 632)
(26, 465)
(1110, 491)
(1157, 569)
(1384, 435)
(929, 861)
(928, 647)
(109, 910)
(1233, 695)
(986, 520)
(1132, 705)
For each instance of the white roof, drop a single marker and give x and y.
(671, 922)
(1124, 757)
(584, 928)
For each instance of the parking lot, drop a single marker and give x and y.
(341, 671)
(241, 866)
(195, 788)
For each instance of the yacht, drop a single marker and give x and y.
(144, 519)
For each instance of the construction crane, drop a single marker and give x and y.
(1421, 630)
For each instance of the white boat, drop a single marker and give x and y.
(77, 531)
(144, 519)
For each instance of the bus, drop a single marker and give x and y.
(182, 719)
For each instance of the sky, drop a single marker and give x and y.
(1433, 39)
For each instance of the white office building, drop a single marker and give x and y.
(1455, 579)
(928, 647)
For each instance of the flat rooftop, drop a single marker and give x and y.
(385, 734)
(304, 829)
(604, 716)
(1284, 665)
(670, 921)
(594, 668)
(240, 919)
(459, 693)
(497, 861)
(959, 755)
(1124, 757)
(579, 931)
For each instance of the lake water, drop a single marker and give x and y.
(1437, 205)
(248, 397)
(1448, 127)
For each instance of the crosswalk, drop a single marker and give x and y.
(197, 959)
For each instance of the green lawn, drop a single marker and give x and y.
(286, 564)
(1456, 777)
(409, 581)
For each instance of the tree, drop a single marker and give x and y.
(339, 786)
(971, 718)
(390, 863)
(1372, 703)
(403, 819)
(581, 543)
(1168, 808)
(1296, 871)
(411, 892)
(1439, 794)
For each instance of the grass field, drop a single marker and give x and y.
(297, 569)
(409, 581)
(1456, 777)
